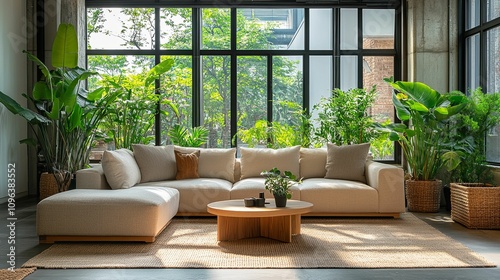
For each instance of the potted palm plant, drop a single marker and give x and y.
(279, 185)
(66, 113)
(422, 139)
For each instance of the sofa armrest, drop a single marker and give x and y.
(92, 178)
(388, 180)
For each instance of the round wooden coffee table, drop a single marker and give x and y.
(235, 221)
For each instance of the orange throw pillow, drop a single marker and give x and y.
(187, 165)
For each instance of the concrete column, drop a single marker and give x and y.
(432, 43)
(73, 12)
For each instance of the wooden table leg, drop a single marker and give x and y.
(278, 228)
(231, 228)
(296, 223)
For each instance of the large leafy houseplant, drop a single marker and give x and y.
(481, 114)
(66, 114)
(422, 137)
(425, 113)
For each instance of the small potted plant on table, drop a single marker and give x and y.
(279, 185)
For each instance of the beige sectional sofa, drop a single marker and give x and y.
(339, 181)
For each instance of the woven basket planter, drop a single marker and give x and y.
(423, 196)
(475, 205)
(48, 185)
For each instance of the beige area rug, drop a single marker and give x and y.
(16, 274)
(324, 243)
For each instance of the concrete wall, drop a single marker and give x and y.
(13, 83)
(432, 43)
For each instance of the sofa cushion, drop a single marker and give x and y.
(195, 194)
(312, 163)
(214, 162)
(347, 162)
(256, 160)
(339, 196)
(120, 169)
(155, 162)
(187, 165)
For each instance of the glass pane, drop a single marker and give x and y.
(348, 29)
(130, 119)
(493, 85)
(119, 68)
(287, 101)
(320, 29)
(492, 9)
(375, 69)
(348, 72)
(216, 24)
(472, 62)
(493, 59)
(176, 88)
(321, 80)
(270, 29)
(252, 100)
(378, 29)
(120, 28)
(472, 13)
(216, 100)
(176, 29)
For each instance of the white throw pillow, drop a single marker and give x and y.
(121, 169)
(347, 162)
(256, 160)
(157, 163)
(214, 162)
(312, 163)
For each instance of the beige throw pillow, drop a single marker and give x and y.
(187, 165)
(120, 169)
(312, 163)
(256, 160)
(347, 162)
(214, 162)
(157, 163)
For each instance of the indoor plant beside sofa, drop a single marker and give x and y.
(426, 112)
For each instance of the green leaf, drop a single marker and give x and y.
(15, 108)
(401, 111)
(96, 94)
(75, 117)
(41, 91)
(54, 113)
(451, 160)
(65, 47)
(159, 69)
(43, 68)
(419, 92)
(29, 141)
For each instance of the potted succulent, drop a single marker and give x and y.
(422, 139)
(279, 185)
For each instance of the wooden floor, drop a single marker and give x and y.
(485, 242)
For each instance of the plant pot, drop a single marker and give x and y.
(475, 205)
(48, 185)
(280, 200)
(423, 196)
(447, 197)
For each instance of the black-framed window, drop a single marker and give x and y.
(480, 52)
(240, 63)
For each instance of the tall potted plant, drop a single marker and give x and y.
(66, 114)
(422, 140)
